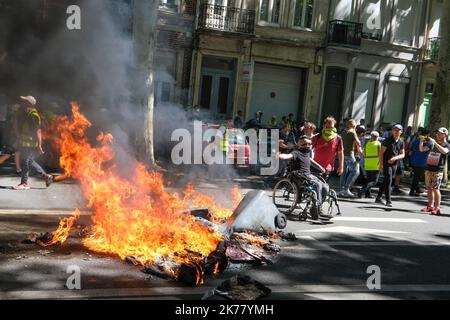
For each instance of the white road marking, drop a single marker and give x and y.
(351, 230)
(370, 219)
(350, 296)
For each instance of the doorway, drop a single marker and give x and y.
(217, 85)
(335, 81)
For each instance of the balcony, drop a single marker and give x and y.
(432, 52)
(226, 19)
(345, 33)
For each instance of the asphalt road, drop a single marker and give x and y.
(329, 261)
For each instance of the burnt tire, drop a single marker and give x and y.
(280, 221)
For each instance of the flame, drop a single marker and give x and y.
(196, 199)
(60, 235)
(135, 216)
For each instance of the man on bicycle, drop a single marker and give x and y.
(302, 163)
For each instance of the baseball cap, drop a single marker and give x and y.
(443, 130)
(375, 134)
(398, 126)
(31, 100)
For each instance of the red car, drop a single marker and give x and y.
(238, 148)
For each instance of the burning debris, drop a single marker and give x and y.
(139, 221)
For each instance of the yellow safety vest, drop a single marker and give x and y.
(372, 156)
(27, 136)
(224, 142)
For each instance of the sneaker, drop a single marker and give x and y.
(48, 180)
(369, 196)
(19, 171)
(349, 194)
(378, 200)
(414, 194)
(426, 210)
(396, 191)
(341, 194)
(389, 204)
(436, 211)
(22, 186)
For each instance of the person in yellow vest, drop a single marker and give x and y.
(30, 143)
(273, 121)
(223, 139)
(372, 164)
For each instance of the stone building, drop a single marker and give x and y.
(263, 55)
(373, 60)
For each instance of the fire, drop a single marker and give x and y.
(60, 235)
(133, 216)
(197, 199)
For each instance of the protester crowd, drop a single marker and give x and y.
(357, 151)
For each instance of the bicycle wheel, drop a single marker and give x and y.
(285, 195)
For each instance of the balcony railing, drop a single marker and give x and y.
(228, 19)
(345, 33)
(432, 52)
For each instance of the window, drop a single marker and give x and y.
(373, 16)
(270, 11)
(364, 96)
(396, 98)
(303, 13)
(405, 26)
(169, 4)
(165, 76)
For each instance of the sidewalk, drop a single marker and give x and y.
(65, 195)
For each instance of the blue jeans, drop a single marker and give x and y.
(27, 156)
(350, 174)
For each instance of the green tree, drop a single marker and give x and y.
(440, 108)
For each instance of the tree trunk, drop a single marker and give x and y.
(440, 110)
(144, 33)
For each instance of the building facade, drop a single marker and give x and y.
(373, 60)
(252, 55)
(173, 56)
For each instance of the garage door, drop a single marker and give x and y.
(276, 91)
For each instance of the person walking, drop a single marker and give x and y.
(438, 152)
(30, 144)
(418, 161)
(351, 144)
(11, 149)
(326, 145)
(372, 164)
(392, 151)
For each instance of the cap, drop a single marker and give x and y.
(398, 126)
(375, 134)
(304, 137)
(31, 100)
(443, 130)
